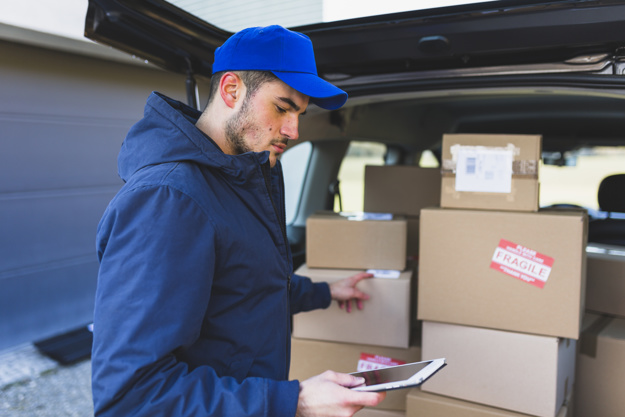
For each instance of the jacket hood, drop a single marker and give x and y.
(167, 133)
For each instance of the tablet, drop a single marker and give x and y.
(400, 376)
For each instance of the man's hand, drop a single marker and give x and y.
(345, 290)
(328, 395)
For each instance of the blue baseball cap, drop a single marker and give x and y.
(288, 55)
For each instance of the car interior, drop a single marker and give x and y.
(611, 229)
(571, 120)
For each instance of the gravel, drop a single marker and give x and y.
(34, 385)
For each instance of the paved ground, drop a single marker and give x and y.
(34, 385)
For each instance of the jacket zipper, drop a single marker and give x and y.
(266, 175)
(273, 203)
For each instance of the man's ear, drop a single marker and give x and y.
(231, 88)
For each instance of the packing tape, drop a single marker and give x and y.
(590, 336)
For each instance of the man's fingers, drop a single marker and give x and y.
(329, 394)
(355, 279)
(346, 292)
(360, 295)
(368, 399)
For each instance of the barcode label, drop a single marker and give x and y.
(484, 169)
(470, 166)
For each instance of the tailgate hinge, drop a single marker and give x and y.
(619, 61)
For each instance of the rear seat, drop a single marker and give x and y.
(611, 198)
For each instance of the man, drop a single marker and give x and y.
(196, 284)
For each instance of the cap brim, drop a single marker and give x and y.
(321, 92)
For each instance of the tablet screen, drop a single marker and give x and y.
(393, 373)
(398, 377)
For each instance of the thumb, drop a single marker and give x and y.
(348, 380)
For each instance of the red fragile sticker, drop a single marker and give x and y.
(522, 263)
(370, 362)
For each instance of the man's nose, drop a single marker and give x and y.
(290, 128)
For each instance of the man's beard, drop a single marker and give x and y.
(235, 128)
(240, 123)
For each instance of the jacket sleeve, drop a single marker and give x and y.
(157, 257)
(307, 295)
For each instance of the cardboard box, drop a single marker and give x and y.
(492, 172)
(401, 189)
(385, 319)
(412, 238)
(423, 404)
(516, 271)
(601, 368)
(605, 279)
(520, 372)
(345, 241)
(313, 357)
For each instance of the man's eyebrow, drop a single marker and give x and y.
(291, 103)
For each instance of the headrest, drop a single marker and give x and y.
(611, 196)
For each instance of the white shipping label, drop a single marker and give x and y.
(384, 273)
(359, 216)
(483, 169)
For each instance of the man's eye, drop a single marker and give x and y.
(280, 109)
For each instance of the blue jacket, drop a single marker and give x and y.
(196, 286)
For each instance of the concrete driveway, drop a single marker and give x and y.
(33, 385)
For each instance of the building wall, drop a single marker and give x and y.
(63, 117)
(243, 13)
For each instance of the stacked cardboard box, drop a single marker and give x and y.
(390, 302)
(605, 290)
(384, 237)
(383, 333)
(340, 246)
(525, 373)
(356, 241)
(501, 284)
(420, 403)
(601, 367)
(601, 354)
(515, 271)
(402, 190)
(494, 172)
(374, 412)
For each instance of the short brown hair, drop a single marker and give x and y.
(252, 80)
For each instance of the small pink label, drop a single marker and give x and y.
(522, 263)
(370, 362)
